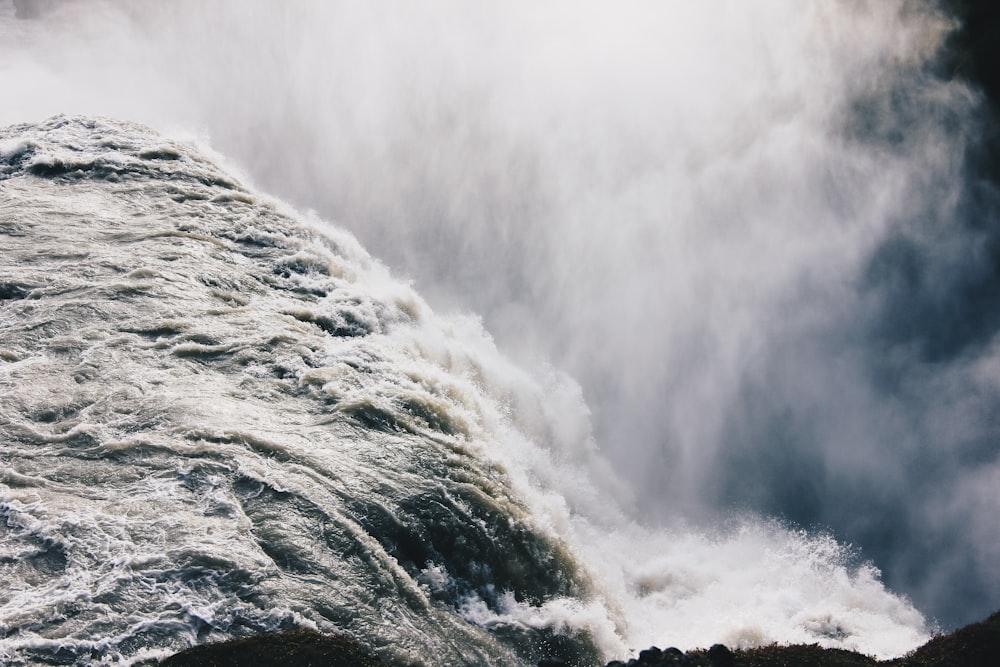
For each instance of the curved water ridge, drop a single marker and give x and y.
(218, 416)
(218, 420)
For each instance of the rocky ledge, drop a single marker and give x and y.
(296, 648)
(976, 645)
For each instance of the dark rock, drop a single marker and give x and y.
(286, 649)
(721, 656)
(673, 655)
(651, 656)
(806, 656)
(975, 645)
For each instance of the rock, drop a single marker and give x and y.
(651, 656)
(673, 656)
(284, 649)
(721, 656)
(976, 645)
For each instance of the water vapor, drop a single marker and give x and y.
(748, 231)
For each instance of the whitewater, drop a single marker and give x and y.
(493, 331)
(219, 416)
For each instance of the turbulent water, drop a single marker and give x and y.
(220, 417)
(740, 260)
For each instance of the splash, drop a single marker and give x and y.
(220, 416)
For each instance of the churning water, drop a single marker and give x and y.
(744, 240)
(219, 417)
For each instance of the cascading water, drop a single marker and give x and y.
(745, 232)
(218, 418)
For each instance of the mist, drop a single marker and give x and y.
(748, 231)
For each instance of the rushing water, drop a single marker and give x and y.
(220, 417)
(742, 255)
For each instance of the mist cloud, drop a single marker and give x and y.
(747, 230)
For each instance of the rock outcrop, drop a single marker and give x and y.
(976, 645)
